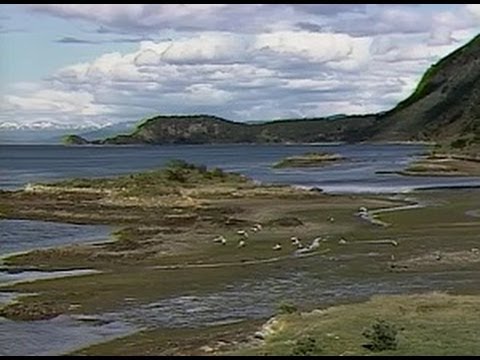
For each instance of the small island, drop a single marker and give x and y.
(74, 140)
(310, 159)
(443, 165)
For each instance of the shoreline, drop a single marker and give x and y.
(328, 143)
(125, 261)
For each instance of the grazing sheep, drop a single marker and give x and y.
(475, 250)
(363, 209)
(331, 219)
(342, 241)
(241, 244)
(224, 241)
(254, 229)
(277, 247)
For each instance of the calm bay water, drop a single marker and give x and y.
(20, 164)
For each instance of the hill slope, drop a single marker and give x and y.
(445, 106)
(205, 129)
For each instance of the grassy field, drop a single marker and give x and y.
(428, 324)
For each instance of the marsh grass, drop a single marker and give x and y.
(428, 324)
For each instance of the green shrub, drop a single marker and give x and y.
(287, 308)
(180, 164)
(306, 346)
(382, 336)
(176, 175)
(219, 173)
(202, 169)
(459, 143)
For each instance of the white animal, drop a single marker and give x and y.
(258, 226)
(331, 219)
(363, 209)
(277, 247)
(254, 229)
(342, 241)
(301, 251)
(218, 239)
(224, 241)
(242, 233)
(241, 244)
(315, 244)
(295, 241)
(475, 250)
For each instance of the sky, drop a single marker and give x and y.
(84, 64)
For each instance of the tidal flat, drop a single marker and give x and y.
(166, 256)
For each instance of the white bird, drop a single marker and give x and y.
(331, 219)
(301, 251)
(277, 247)
(295, 240)
(315, 244)
(242, 233)
(219, 239)
(241, 244)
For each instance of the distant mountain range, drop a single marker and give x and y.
(43, 132)
(48, 125)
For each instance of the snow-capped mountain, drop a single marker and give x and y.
(48, 132)
(50, 125)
